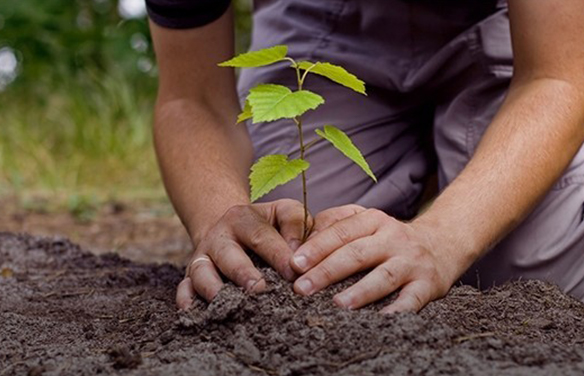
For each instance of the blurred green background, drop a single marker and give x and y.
(77, 87)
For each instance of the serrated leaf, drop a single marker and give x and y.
(272, 102)
(335, 73)
(245, 113)
(258, 58)
(343, 143)
(273, 170)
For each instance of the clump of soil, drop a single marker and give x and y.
(64, 311)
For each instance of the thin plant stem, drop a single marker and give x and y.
(308, 145)
(306, 231)
(298, 121)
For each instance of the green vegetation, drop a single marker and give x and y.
(269, 102)
(75, 121)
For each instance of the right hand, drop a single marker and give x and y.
(272, 230)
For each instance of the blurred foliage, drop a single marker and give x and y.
(57, 39)
(63, 38)
(77, 116)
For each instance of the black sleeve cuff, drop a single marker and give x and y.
(185, 14)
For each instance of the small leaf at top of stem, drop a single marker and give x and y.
(260, 58)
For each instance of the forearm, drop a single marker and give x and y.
(204, 156)
(204, 159)
(525, 150)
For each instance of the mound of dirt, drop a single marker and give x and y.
(67, 312)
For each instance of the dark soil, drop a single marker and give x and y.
(67, 312)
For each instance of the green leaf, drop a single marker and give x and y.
(245, 114)
(272, 102)
(258, 58)
(335, 73)
(274, 170)
(343, 143)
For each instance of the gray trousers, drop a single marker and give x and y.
(436, 71)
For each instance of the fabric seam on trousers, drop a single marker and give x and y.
(323, 40)
(475, 51)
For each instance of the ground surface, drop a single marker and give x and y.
(140, 231)
(67, 312)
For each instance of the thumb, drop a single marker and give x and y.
(290, 217)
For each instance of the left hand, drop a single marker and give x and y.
(350, 239)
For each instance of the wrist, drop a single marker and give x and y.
(456, 251)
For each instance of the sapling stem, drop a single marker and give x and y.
(298, 121)
(306, 230)
(308, 145)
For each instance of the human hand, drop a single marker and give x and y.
(272, 230)
(350, 239)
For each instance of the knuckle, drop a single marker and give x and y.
(234, 212)
(327, 273)
(258, 236)
(387, 272)
(341, 233)
(239, 275)
(417, 300)
(355, 208)
(376, 214)
(288, 202)
(358, 254)
(322, 216)
(218, 254)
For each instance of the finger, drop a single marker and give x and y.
(354, 257)
(290, 220)
(380, 282)
(254, 232)
(334, 237)
(185, 293)
(205, 279)
(331, 216)
(234, 263)
(413, 297)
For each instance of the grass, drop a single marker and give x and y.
(87, 136)
(79, 135)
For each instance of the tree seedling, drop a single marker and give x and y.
(270, 102)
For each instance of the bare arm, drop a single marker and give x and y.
(205, 157)
(200, 150)
(535, 135)
(531, 141)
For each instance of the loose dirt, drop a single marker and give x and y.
(67, 312)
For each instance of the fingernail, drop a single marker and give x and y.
(301, 262)
(343, 301)
(304, 286)
(294, 244)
